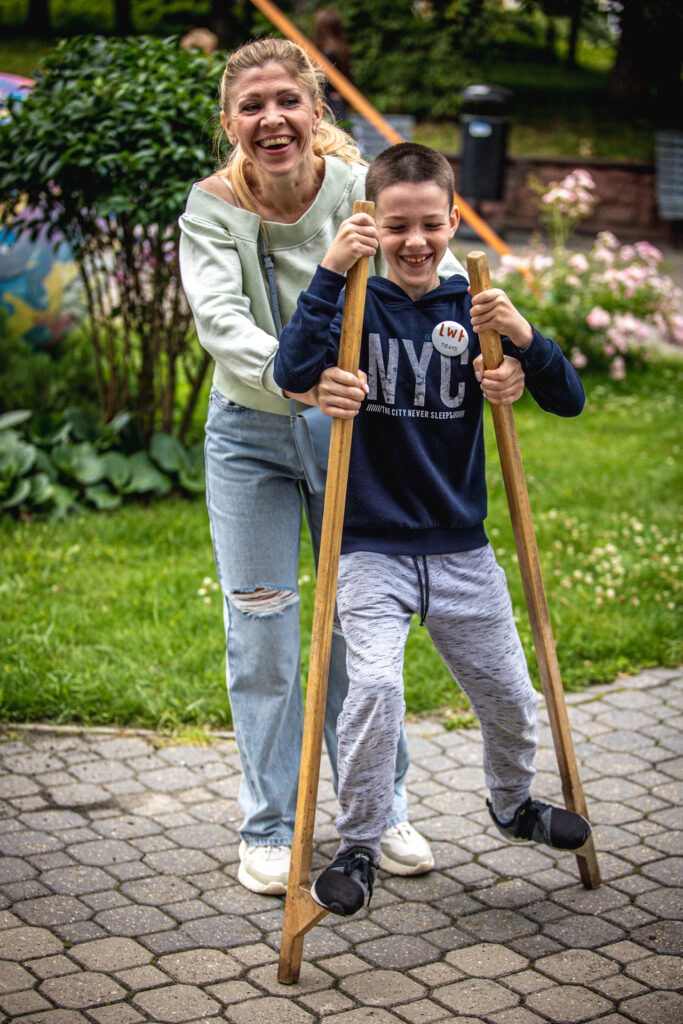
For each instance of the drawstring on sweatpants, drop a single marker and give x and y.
(424, 587)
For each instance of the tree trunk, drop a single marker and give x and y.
(123, 23)
(227, 21)
(574, 26)
(648, 62)
(38, 24)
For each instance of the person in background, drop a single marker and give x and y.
(293, 176)
(330, 38)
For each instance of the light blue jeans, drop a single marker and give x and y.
(255, 492)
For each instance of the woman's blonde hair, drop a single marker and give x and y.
(328, 140)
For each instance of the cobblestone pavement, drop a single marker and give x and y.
(119, 902)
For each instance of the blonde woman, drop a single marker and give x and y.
(294, 175)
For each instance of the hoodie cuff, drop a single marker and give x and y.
(327, 284)
(537, 354)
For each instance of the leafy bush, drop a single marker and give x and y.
(610, 308)
(104, 150)
(49, 379)
(56, 465)
(419, 55)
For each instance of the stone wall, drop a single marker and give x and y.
(627, 204)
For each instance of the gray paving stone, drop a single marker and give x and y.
(16, 1004)
(47, 911)
(76, 880)
(176, 1003)
(158, 890)
(13, 977)
(138, 978)
(382, 988)
(126, 827)
(79, 931)
(496, 925)
(663, 903)
(410, 918)
(655, 1008)
(583, 931)
(119, 1013)
(18, 891)
(517, 1015)
(576, 965)
(396, 952)
(106, 899)
(617, 987)
(26, 842)
(132, 920)
(569, 1004)
(200, 966)
(180, 862)
(658, 971)
(486, 960)
(78, 794)
(110, 955)
(82, 990)
(475, 996)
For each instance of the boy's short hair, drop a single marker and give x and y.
(408, 162)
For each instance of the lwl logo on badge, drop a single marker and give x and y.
(450, 338)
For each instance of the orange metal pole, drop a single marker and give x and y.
(366, 110)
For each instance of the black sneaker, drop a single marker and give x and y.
(537, 822)
(343, 886)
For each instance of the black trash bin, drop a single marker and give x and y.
(484, 142)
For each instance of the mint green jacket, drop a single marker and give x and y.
(225, 284)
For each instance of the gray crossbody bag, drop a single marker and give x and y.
(311, 428)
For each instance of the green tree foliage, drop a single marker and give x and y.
(648, 61)
(104, 150)
(415, 58)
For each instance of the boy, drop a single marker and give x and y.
(414, 540)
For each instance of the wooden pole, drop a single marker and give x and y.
(530, 570)
(301, 911)
(366, 110)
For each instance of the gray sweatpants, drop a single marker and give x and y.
(464, 602)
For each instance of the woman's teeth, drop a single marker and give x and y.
(282, 140)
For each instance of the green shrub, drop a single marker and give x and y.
(50, 379)
(61, 463)
(104, 150)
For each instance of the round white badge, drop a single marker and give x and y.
(450, 338)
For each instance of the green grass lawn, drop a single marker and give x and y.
(108, 618)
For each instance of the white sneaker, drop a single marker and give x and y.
(264, 869)
(405, 851)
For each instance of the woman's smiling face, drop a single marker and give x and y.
(272, 117)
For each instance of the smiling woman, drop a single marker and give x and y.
(290, 182)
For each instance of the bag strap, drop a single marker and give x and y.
(274, 303)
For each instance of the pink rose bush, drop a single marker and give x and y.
(612, 307)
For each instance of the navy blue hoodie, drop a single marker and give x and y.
(417, 477)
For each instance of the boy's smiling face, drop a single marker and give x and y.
(415, 223)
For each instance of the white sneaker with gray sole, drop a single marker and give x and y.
(405, 851)
(264, 869)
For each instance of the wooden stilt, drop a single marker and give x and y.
(534, 592)
(301, 912)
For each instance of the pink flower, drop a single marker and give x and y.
(578, 359)
(598, 318)
(579, 263)
(648, 253)
(617, 369)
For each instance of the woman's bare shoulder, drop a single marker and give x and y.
(218, 185)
